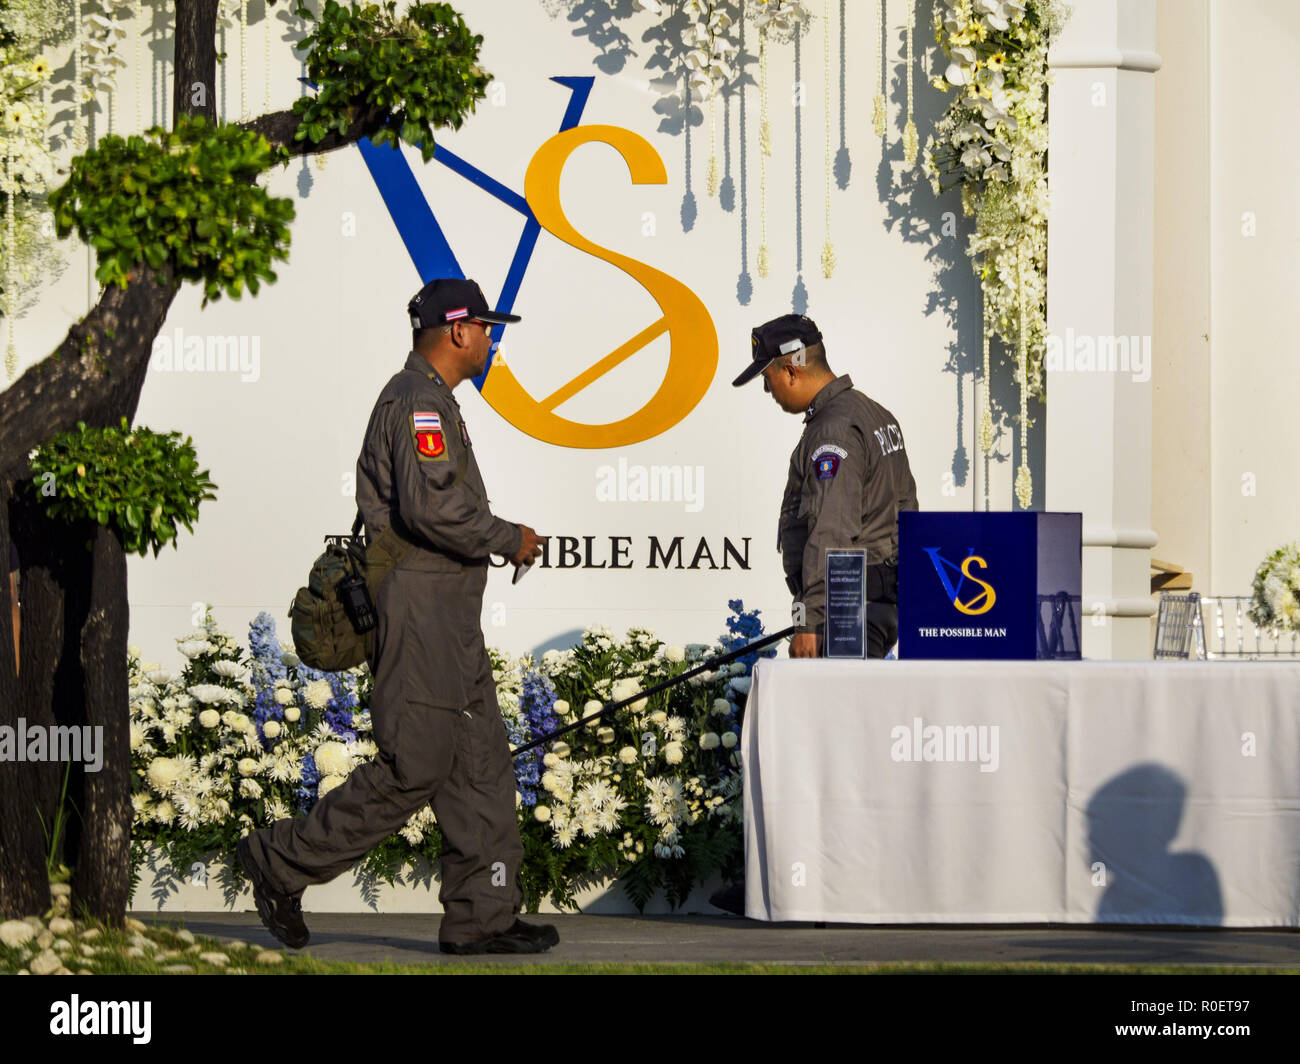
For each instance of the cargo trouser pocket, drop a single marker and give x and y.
(420, 742)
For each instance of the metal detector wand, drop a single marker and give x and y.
(704, 666)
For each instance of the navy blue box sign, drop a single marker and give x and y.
(989, 585)
(846, 604)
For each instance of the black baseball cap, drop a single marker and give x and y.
(448, 299)
(780, 336)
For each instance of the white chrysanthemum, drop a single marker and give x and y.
(242, 723)
(721, 707)
(327, 784)
(164, 812)
(626, 689)
(675, 729)
(560, 748)
(318, 693)
(292, 714)
(230, 670)
(729, 739)
(250, 789)
(137, 735)
(209, 718)
(283, 696)
(605, 735)
(675, 654)
(160, 677)
(740, 684)
(542, 813)
(247, 766)
(627, 755)
(550, 760)
(271, 729)
(163, 774)
(659, 716)
(332, 759)
(565, 836)
(195, 648)
(709, 741)
(561, 708)
(592, 706)
(289, 659)
(673, 752)
(210, 694)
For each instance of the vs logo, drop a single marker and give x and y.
(981, 601)
(693, 340)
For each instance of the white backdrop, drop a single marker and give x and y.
(900, 313)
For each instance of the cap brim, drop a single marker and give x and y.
(751, 371)
(497, 318)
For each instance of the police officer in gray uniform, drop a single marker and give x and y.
(849, 476)
(434, 707)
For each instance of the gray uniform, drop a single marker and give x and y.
(434, 705)
(849, 477)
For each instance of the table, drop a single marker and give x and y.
(1138, 792)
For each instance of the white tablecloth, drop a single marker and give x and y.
(1079, 792)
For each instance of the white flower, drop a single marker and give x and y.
(271, 729)
(550, 760)
(550, 781)
(591, 707)
(327, 783)
(658, 716)
(709, 741)
(721, 707)
(209, 718)
(542, 813)
(741, 684)
(561, 749)
(673, 753)
(561, 708)
(318, 693)
(162, 774)
(160, 677)
(229, 669)
(247, 766)
(137, 735)
(210, 694)
(289, 659)
(250, 789)
(675, 654)
(627, 755)
(332, 759)
(283, 696)
(195, 648)
(241, 723)
(164, 812)
(626, 689)
(729, 739)
(292, 714)
(605, 735)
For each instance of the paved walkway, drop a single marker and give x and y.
(413, 939)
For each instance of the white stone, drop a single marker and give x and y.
(132, 924)
(61, 945)
(218, 960)
(46, 963)
(15, 933)
(89, 933)
(268, 957)
(45, 939)
(60, 890)
(61, 925)
(185, 935)
(178, 969)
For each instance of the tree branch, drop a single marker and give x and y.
(280, 126)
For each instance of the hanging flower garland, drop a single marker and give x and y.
(992, 143)
(710, 57)
(879, 113)
(28, 259)
(103, 36)
(910, 139)
(828, 248)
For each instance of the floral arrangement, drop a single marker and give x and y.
(992, 142)
(1276, 591)
(238, 739)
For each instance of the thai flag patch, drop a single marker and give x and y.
(426, 421)
(459, 312)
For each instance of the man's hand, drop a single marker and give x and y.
(803, 645)
(530, 546)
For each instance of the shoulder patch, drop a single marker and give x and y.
(829, 448)
(426, 428)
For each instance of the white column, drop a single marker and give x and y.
(1099, 295)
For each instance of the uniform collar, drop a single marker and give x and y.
(829, 391)
(420, 364)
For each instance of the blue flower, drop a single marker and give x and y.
(307, 786)
(744, 627)
(537, 701)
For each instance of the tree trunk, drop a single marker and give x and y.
(102, 859)
(194, 90)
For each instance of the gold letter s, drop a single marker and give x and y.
(693, 340)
